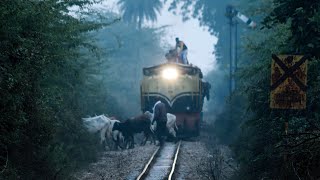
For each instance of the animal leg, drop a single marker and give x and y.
(121, 141)
(132, 142)
(128, 142)
(154, 138)
(145, 139)
(109, 140)
(103, 135)
(115, 145)
(172, 132)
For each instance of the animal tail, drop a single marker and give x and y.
(103, 134)
(153, 127)
(176, 127)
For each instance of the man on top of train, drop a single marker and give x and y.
(182, 50)
(160, 116)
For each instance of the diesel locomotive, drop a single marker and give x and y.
(181, 88)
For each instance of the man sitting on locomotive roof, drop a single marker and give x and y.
(160, 116)
(182, 49)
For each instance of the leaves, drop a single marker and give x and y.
(42, 79)
(136, 12)
(262, 139)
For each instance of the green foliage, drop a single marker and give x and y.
(135, 12)
(209, 12)
(261, 145)
(44, 89)
(256, 132)
(304, 16)
(55, 69)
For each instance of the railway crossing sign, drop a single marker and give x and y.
(288, 82)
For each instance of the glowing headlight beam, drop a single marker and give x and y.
(170, 73)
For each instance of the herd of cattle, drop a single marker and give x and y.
(121, 134)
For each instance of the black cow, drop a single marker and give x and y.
(135, 125)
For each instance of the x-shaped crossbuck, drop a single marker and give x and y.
(288, 72)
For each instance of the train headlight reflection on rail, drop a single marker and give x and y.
(170, 73)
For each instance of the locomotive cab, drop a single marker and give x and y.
(180, 88)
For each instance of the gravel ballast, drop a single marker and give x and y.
(196, 160)
(192, 161)
(118, 165)
(203, 158)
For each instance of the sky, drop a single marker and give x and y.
(199, 41)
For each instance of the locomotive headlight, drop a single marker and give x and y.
(170, 73)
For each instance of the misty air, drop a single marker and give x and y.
(159, 89)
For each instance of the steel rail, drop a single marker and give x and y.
(148, 164)
(174, 161)
(147, 167)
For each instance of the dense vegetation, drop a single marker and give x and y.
(56, 66)
(253, 130)
(43, 89)
(290, 27)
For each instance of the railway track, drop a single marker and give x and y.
(162, 163)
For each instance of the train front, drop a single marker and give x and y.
(181, 88)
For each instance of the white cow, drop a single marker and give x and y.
(95, 124)
(171, 123)
(104, 125)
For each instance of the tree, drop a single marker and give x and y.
(136, 49)
(262, 141)
(140, 10)
(261, 148)
(304, 23)
(42, 77)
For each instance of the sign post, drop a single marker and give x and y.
(288, 89)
